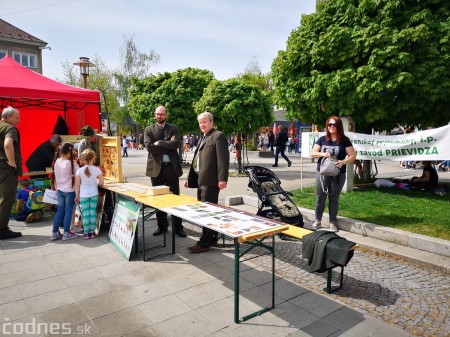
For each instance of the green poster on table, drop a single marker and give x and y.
(123, 225)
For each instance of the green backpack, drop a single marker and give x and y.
(35, 200)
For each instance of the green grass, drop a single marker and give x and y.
(413, 211)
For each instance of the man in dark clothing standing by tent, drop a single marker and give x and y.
(282, 139)
(44, 155)
(10, 168)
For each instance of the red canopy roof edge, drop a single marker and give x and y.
(19, 81)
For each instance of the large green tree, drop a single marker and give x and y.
(178, 91)
(381, 61)
(238, 107)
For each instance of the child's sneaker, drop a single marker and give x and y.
(56, 236)
(93, 235)
(31, 217)
(69, 236)
(86, 236)
(39, 216)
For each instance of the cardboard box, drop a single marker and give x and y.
(157, 190)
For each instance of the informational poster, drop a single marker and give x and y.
(224, 220)
(308, 141)
(123, 225)
(429, 144)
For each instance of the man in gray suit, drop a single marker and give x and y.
(209, 172)
(163, 141)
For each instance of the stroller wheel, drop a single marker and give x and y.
(268, 213)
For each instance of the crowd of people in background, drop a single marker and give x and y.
(190, 142)
(266, 142)
(131, 142)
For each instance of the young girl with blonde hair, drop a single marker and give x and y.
(87, 180)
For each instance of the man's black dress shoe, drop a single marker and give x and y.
(274, 165)
(159, 231)
(9, 234)
(180, 233)
(289, 164)
(198, 249)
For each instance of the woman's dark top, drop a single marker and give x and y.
(433, 175)
(335, 149)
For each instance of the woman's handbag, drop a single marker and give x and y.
(328, 173)
(78, 221)
(328, 167)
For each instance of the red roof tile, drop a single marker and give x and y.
(7, 30)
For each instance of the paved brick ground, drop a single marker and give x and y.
(413, 298)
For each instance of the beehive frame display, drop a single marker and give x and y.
(110, 158)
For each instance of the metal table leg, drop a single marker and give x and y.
(237, 261)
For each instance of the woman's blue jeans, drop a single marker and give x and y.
(66, 201)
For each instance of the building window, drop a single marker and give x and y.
(3, 53)
(27, 60)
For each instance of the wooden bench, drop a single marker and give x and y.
(299, 233)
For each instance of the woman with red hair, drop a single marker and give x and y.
(334, 143)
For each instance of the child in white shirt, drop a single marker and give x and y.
(87, 180)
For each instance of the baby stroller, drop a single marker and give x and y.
(274, 201)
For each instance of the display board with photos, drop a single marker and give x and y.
(225, 220)
(111, 158)
(123, 225)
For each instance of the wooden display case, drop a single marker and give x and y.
(111, 158)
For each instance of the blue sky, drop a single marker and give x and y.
(221, 36)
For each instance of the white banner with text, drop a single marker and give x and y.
(433, 144)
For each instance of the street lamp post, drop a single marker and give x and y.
(84, 65)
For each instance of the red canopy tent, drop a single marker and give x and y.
(43, 103)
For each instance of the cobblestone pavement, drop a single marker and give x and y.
(413, 298)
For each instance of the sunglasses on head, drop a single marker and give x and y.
(332, 124)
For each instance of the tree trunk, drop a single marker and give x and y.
(363, 170)
(239, 152)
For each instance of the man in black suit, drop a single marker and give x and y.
(163, 142)
(209, 172)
